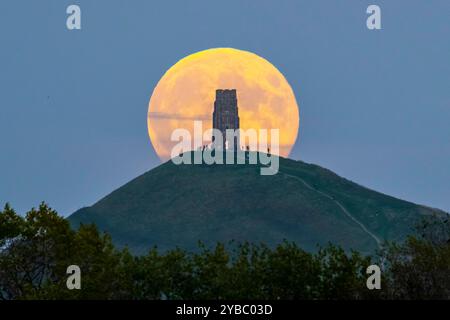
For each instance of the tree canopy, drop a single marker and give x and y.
(36, 249)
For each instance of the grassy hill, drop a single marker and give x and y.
(178, 205)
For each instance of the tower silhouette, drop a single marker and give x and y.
(226, 115)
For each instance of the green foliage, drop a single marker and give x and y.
(35, 257)
(36, 251)
(419, 270)
(342, 275)
(11, 225)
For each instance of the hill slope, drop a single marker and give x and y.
(174, 205)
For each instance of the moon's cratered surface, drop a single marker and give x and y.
(186, 92)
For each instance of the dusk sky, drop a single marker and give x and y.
(374, 105)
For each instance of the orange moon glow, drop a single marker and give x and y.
(187, 90)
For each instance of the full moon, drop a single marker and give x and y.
(186, 92)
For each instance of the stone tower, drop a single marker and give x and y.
(225, 115)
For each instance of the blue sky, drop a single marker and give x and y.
(374, 105)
